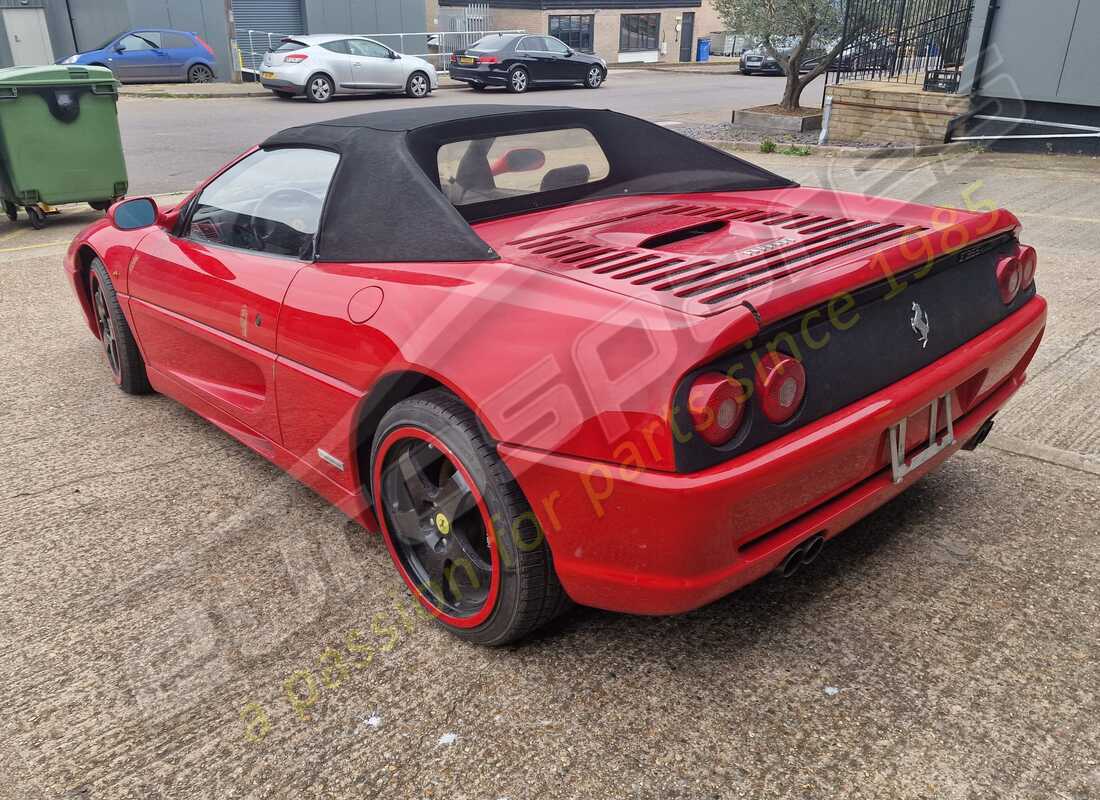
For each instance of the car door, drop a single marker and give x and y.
(338, 61)
(374, 66)
(564, 64)
(205, 298)
(178, 49)
(532, 53)
(135, 58)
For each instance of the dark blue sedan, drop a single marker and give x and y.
(153, 55)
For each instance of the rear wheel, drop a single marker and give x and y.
(594, 78)
(320, 89)
(519, 81)
(37, 218)
(457, 526)
(123, 356)
(418, 85)
(200, 73)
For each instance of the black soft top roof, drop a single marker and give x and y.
(385, 202)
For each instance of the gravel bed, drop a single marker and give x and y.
(728, 132)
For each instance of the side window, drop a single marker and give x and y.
(554, 46)
(362, 47)
(269, 202)
(135, 42)
(339, 46)
(532, 44)
(177, 41)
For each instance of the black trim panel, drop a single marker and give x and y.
(960, 296)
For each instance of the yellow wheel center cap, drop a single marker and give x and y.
(442, 524)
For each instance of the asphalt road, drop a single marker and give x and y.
(172, 144)
(168, 599)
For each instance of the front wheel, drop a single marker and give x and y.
(456, 524)
(594, 78)
(320, 89)
(123, 356)
(200, 73)
(418, 85)
(37, 218)
(518, 81)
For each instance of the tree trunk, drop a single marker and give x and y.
(792, 92)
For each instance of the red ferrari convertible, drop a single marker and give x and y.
(559, 355)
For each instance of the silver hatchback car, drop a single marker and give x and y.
(322, 65)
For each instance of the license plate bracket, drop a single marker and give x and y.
(897, 434)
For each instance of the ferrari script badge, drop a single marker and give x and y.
(920, 325)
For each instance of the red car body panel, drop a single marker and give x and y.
(571, 366)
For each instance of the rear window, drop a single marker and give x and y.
(501, 167)
(490, 44)
(177, 41)
(289, 45)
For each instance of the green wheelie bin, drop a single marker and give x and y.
(59, 139)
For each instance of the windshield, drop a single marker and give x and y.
(107, 43)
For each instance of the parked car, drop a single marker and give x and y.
(519, 61)
(584, 358)
(324, 65)
(758, 61)
(154, 55)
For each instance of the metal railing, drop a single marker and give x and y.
(904, 41)
(436, 47)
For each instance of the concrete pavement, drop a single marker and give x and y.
(169, 599)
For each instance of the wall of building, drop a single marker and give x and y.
(607, 25)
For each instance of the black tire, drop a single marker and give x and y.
(100, 205)
(478, 87)
(528, 592)
(320, 89)
(283, 95)
(595, 77)
(418, 85)
(200, 73)
(12, 210)
(37, 218)
(519, 80)
(123, 356)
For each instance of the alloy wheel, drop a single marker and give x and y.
(319, 88)
(519, 80)
(418, 84)
(201, 74)
(107, 335)
(439, 527)
(595, 77)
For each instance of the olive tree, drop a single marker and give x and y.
(806, 20)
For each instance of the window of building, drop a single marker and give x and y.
(576, 30)
(639, 31)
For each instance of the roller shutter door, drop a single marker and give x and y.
(271, 16)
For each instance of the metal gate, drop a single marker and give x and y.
(905, 41)
(280, 17)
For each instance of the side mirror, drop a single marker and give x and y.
(569, 52)
(394, 55)
(130, 215)
(119, 48)
(522, 159)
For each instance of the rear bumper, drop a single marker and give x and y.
(663, 543)
(278, 84)
(485, 75)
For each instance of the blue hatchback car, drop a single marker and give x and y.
(153, 55)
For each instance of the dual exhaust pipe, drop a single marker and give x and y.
(806, 553)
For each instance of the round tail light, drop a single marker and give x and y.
(717, 406)
(1008, 278)
(780, 385)
(1029, 259)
